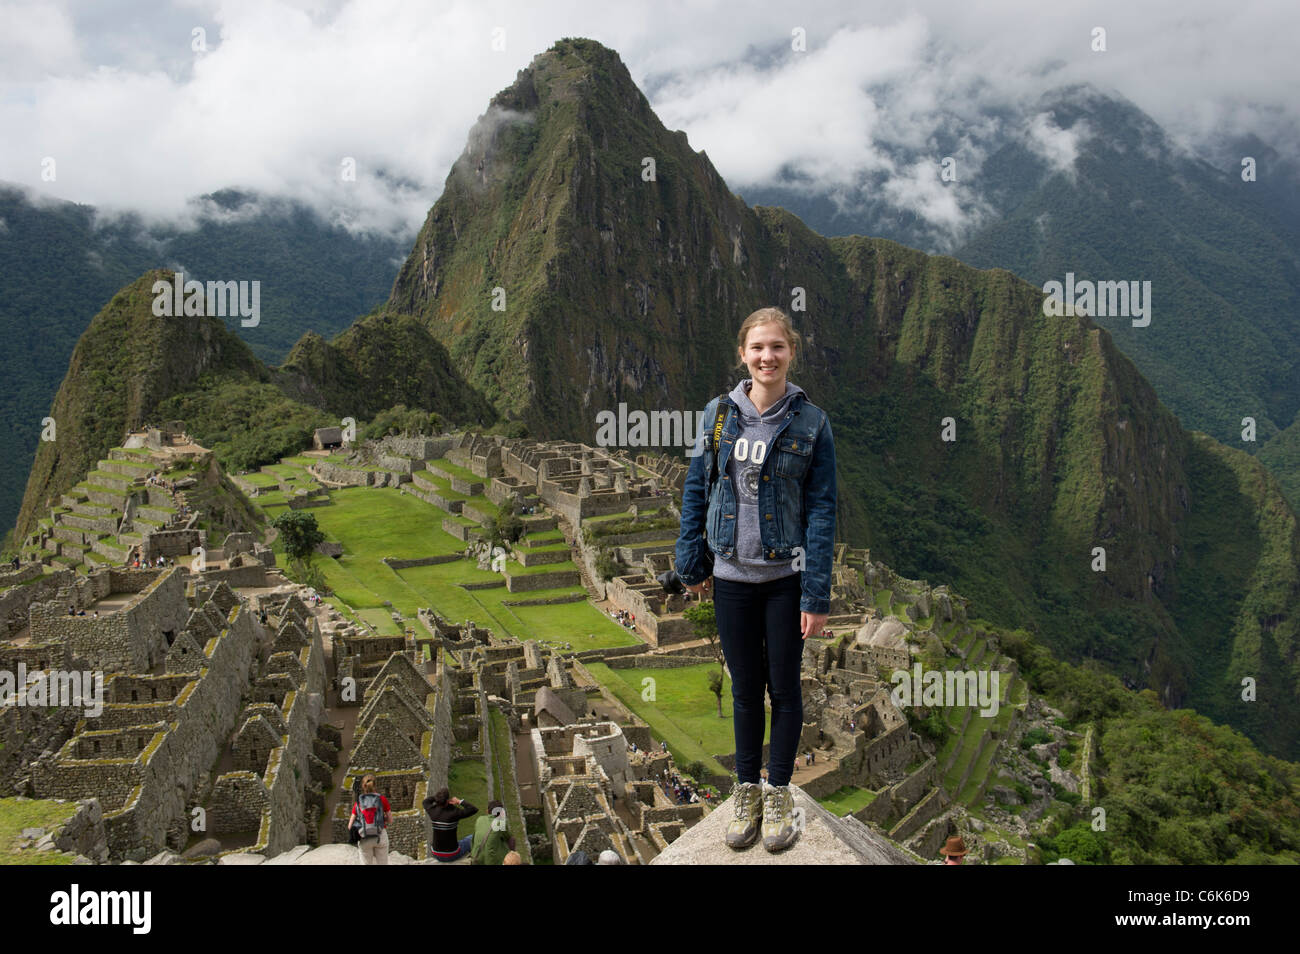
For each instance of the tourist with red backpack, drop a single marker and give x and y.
(369, 823)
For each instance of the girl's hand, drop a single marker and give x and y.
(701, 587)
(810, 624)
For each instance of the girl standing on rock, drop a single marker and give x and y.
(758, 523)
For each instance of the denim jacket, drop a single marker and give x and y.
(796, 500)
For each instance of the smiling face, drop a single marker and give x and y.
(767, 353)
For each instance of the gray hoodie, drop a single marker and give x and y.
(753, 444)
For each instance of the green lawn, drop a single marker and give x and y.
(501, 742)
(33, 813)
(455, 470)
(467, 780)
(847, 800)
(684, 712)
(374, 522)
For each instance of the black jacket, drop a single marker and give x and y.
(445, 818)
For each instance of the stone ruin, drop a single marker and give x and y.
(184, 676)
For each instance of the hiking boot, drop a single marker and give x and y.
(778, 818)
(744, 825)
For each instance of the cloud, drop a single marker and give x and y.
(1058, 147)
(287, 91)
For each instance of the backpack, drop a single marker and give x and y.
(373, 803)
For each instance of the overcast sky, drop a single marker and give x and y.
(135, 118)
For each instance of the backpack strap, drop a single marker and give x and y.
(716, 443)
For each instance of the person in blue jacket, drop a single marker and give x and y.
(758, 529)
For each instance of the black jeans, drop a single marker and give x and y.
(758, 624)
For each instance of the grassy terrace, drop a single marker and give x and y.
(447, 467)
(467, 780)
(847, 800)
(261, 478)
(684, 712)
(375, 522)
(34, 813)
(501, 743)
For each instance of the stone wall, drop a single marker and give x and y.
(172, 543)
(548, 601)
(395, 564)
(518, 582)
(253, 574)
(419, 448)
(239, 800)
(654, 661)
(147, 796)
(130, 639)
(25, 572)
(351, 476)
(17, 601)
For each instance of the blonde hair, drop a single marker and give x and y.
(764, 316)
(368, 783)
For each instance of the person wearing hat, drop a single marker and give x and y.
(954, 851)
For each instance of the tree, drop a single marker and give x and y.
(299, 533)
(715, 687)
(504, 528)
(705, 621)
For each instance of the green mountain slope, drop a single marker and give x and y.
(1225, 278)
(60, 263)
(131, 368)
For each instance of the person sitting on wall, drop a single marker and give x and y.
(446, 812)
(491, 843)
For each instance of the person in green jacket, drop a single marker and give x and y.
(492, 840)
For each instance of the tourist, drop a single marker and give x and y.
(954, 851)
(446, 812)
(492, 839)
(764, 606)
(663, 745)
(371, 809)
